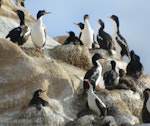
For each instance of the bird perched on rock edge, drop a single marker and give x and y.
(38, 31)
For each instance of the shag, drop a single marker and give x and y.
(119, 39)
(111, 77)
(87, 34)
(37, 100)
(134, 67)
(38, 31)
(73, 39)
(94, 73)
(104, 39)
(19, 34)
(94, 102)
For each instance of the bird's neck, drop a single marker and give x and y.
(96, 63)
(86, 25)
(22, 21)
(39, 21)
(102, 27)
(90, 91)
(113, 67)
(116, 28)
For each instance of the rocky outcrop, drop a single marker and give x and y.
(78, 56)
(58, 70)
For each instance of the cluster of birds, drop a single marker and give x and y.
(112, 79)
(20, 34)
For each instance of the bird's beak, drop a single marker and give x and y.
(102, 58)
(75, 23)
(47, 13)
(111, 17)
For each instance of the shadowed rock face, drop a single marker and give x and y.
(56, 70)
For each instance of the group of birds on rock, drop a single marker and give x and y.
(20, 34)
(105, 41)
(112, 79)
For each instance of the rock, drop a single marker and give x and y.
(78, 56)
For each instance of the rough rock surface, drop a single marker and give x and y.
(24, 70)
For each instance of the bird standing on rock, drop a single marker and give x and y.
(73, 39)
(134, 67)
(87, 34)
(111, 77)
(38, 31)
(119, 39)
(104, 39)
(81, 27)
(19, 34)
(36, 100)
(94, 73)
(94, 102)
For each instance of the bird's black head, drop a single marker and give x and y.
(37, 93)
(86, 17)
(20, 13)
(80, 25)
(116, 19)
(132, 55)
(96, 57)
(71, 33)
(41, 13)
(101, 23)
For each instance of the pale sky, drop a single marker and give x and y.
(133, 15)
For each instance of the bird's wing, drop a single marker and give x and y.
(44, 27)
(44, 102)
(101, 106)
(80, 35)
(77, 39)
(121, 40)
(108, 77)
(67, 41)
(92, 74)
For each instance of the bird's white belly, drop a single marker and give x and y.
(148, 104)
(87, 38)
(92, 104)
(38, 37)
(118, 48)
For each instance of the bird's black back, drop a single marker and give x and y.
(14, 34)
(105, 40)
(110, 79)
(93, 75)
(123, 44)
